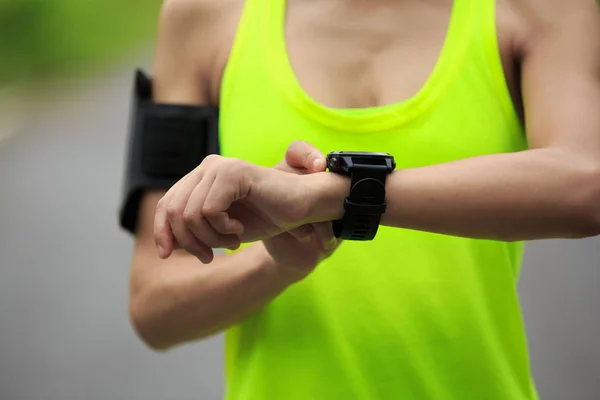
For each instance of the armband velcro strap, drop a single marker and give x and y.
(166, 142)
(174, 139)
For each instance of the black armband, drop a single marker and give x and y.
(166, 142)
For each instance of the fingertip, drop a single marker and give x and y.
(236, 227)
(166, 252)
(161, 252)
(160, 245)
(163, 238)
(207, 258)
(331, 244)
(234, 246)
(305, 239)
(319, 165)
(302, 233)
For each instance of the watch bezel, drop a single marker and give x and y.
(344, 161)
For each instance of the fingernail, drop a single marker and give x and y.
(161, 251)
(305, 239)
(318, 164)
(331, 244)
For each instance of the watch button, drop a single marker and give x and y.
(333, 163)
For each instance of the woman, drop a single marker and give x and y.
(429, 308)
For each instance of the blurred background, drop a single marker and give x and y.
(66, 70)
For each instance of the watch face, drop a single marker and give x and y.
(344, 161)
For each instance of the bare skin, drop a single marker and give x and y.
(552, 45)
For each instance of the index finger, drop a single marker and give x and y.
(163, 235)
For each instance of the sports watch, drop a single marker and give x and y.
(366, 201)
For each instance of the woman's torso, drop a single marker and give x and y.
(409, 315)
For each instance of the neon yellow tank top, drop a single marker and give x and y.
(410, 315)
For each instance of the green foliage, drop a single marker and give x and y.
(46, 39)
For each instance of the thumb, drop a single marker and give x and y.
(304, 155)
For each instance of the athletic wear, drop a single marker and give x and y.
(410, 315)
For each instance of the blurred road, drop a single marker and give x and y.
(64, 332)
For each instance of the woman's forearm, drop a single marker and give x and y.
(529, 195)
(185, 300)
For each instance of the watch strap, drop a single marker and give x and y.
(364, 205)
(356, 227)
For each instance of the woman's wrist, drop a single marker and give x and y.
(327, 192)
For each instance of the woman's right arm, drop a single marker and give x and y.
(180, 299)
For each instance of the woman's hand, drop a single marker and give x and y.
(226, 201)
(300, 250)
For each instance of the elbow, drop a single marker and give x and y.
(147, 325)
(587, 228)
(588, 208)
(591, 225)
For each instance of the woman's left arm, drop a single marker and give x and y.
(551, 190)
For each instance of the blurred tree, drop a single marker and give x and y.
(41, 39)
